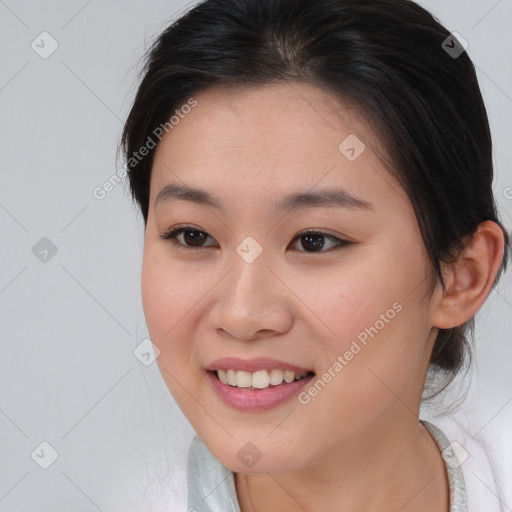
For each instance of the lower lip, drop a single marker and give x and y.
(245, 399)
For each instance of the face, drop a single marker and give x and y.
(301, 253)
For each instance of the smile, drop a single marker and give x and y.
(251, 398)
(260, 379)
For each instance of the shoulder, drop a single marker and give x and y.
(210, 485)
(478, 462)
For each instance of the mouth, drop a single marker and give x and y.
(246, 397)
(258, 380)
(258, 384)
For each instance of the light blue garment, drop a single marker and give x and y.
(211, 486)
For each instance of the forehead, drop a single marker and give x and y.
(267, 139)
(254, 113)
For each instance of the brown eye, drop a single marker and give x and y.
(314, 241)
(190, 237)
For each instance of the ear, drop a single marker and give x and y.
(470, 280)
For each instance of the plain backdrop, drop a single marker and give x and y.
(70, 308)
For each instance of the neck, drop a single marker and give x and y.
(394, 466)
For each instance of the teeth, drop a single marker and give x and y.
(231, 376)
(222, 374)
(276, 377)
(243, 379)
(260, 379)
(289, 376)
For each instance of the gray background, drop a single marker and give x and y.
(71, 320)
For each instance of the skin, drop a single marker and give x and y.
(250, 147)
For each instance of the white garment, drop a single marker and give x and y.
(211, 486)
(481, 466)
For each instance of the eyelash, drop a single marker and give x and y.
(173, 233)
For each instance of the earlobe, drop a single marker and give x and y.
(470, 280)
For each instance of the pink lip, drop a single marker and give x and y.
(249, 400)
(253, 365)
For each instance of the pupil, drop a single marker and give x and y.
(315, 241)
(192, 239)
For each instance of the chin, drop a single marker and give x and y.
(257, 457)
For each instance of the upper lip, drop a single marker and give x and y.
(253, 365)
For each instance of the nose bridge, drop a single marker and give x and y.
(250, 274)
(251, 298)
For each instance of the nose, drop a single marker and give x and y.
(251, 302)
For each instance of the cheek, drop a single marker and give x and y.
(169, 290)
(377, 325)
(378, 356)
(351, 300)
(168, 295)
(158, 297)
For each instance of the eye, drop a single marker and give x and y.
(189, 237)
(315, 241)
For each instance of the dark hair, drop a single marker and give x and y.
(391, 58)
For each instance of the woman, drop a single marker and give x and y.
(315, 178)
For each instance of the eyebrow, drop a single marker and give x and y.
(338, 197)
